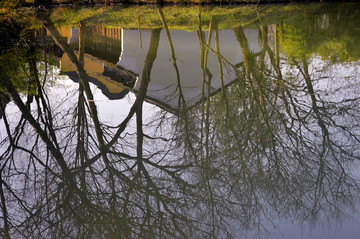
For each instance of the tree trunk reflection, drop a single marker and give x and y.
(270, 145)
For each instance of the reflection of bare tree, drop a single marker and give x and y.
(274, 153)
(268, 146)
(102, 189)
(182, 102)
(283, 146)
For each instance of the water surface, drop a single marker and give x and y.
(236, 123)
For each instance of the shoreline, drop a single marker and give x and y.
(90, 3)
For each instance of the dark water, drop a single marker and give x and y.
(218, 128)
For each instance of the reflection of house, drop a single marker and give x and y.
(111, 81)
(163, 86)
(103, 48)
(116, 56)
(101, 42)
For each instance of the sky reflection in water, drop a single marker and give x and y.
(213, 132)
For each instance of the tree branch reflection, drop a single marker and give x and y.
(271, 145)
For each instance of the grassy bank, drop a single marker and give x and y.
(111, 2)
(185, 17)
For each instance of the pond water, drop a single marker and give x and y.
(181, 122)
